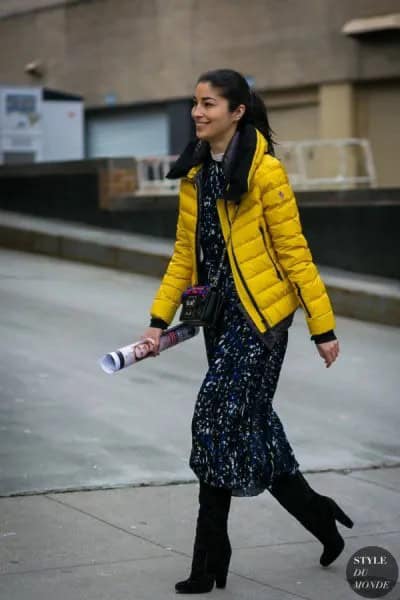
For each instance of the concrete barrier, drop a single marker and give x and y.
(353, 295)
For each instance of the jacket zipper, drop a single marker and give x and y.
(197, 186)
(302, 300)
(263, 319)
(269, 254)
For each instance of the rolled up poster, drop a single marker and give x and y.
(133, 353)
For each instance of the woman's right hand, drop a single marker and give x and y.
(154, 333)
(329, 351)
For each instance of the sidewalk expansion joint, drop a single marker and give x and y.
(94, 563)
(173, 551)
(117, 527)
(95, 488)
(345, 536)
(376, 483)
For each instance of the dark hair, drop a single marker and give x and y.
(234, 87)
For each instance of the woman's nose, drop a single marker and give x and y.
(196, 111)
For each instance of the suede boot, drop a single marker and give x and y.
(212, 548)
(316, 512)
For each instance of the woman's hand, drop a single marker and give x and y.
(154, 333)
(329, 351)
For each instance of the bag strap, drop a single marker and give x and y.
(215, 279)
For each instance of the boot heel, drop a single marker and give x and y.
(221, 577)
(222, 574)
(200, 585)
(341, 516)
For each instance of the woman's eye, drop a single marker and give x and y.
(205, 104)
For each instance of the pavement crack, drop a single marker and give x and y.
(117, 527)
(346, 471)
(376, 483)
(314, 541)
(94, 563)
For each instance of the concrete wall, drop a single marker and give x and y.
(368, 110)
(154, 49)
(355, 230)
(294, 113)
(318, 83)
(378, 119)
(81, 186)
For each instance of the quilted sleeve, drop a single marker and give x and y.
(177, 277)
(283, 222)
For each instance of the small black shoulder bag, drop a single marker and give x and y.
(202, 304)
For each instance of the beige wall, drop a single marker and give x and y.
(293, 113)
(342, 110)
(294, 122)
(142, 50)
(336, 113)
(315, 79)
(378, 119)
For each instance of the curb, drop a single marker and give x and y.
(353, 295)
(362, 297)
(86, 244)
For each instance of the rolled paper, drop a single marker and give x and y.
(133, 353)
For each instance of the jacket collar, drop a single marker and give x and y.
(243, 155)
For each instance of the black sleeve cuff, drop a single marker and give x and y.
(155, 322)
(328, 336)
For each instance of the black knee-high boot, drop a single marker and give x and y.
(219, 550)
(212, 549)
(316, 512)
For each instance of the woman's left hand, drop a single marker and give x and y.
(329, 351)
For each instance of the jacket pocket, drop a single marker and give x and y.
(302, 300)
(279, 274)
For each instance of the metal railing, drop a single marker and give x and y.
(151, 171)
(311, 165)
(321, 164)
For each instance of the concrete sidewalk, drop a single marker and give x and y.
(353, 295)
(135, 543)
(66, 425)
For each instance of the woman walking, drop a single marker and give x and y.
(235, 197)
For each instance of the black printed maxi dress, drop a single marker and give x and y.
(238, 440)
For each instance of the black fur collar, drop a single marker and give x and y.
(237, 161)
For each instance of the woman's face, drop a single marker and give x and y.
(211, 113)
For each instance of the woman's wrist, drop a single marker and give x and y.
(159, 323)
(327, 336)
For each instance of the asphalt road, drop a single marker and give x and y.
(64, 424)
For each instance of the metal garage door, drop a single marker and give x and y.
(129, 133)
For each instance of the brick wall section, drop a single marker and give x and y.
(115, 184)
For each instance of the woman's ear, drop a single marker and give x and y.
(239, 112)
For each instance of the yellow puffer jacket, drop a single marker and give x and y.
(271, 262)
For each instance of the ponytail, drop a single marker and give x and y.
(256, 114)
